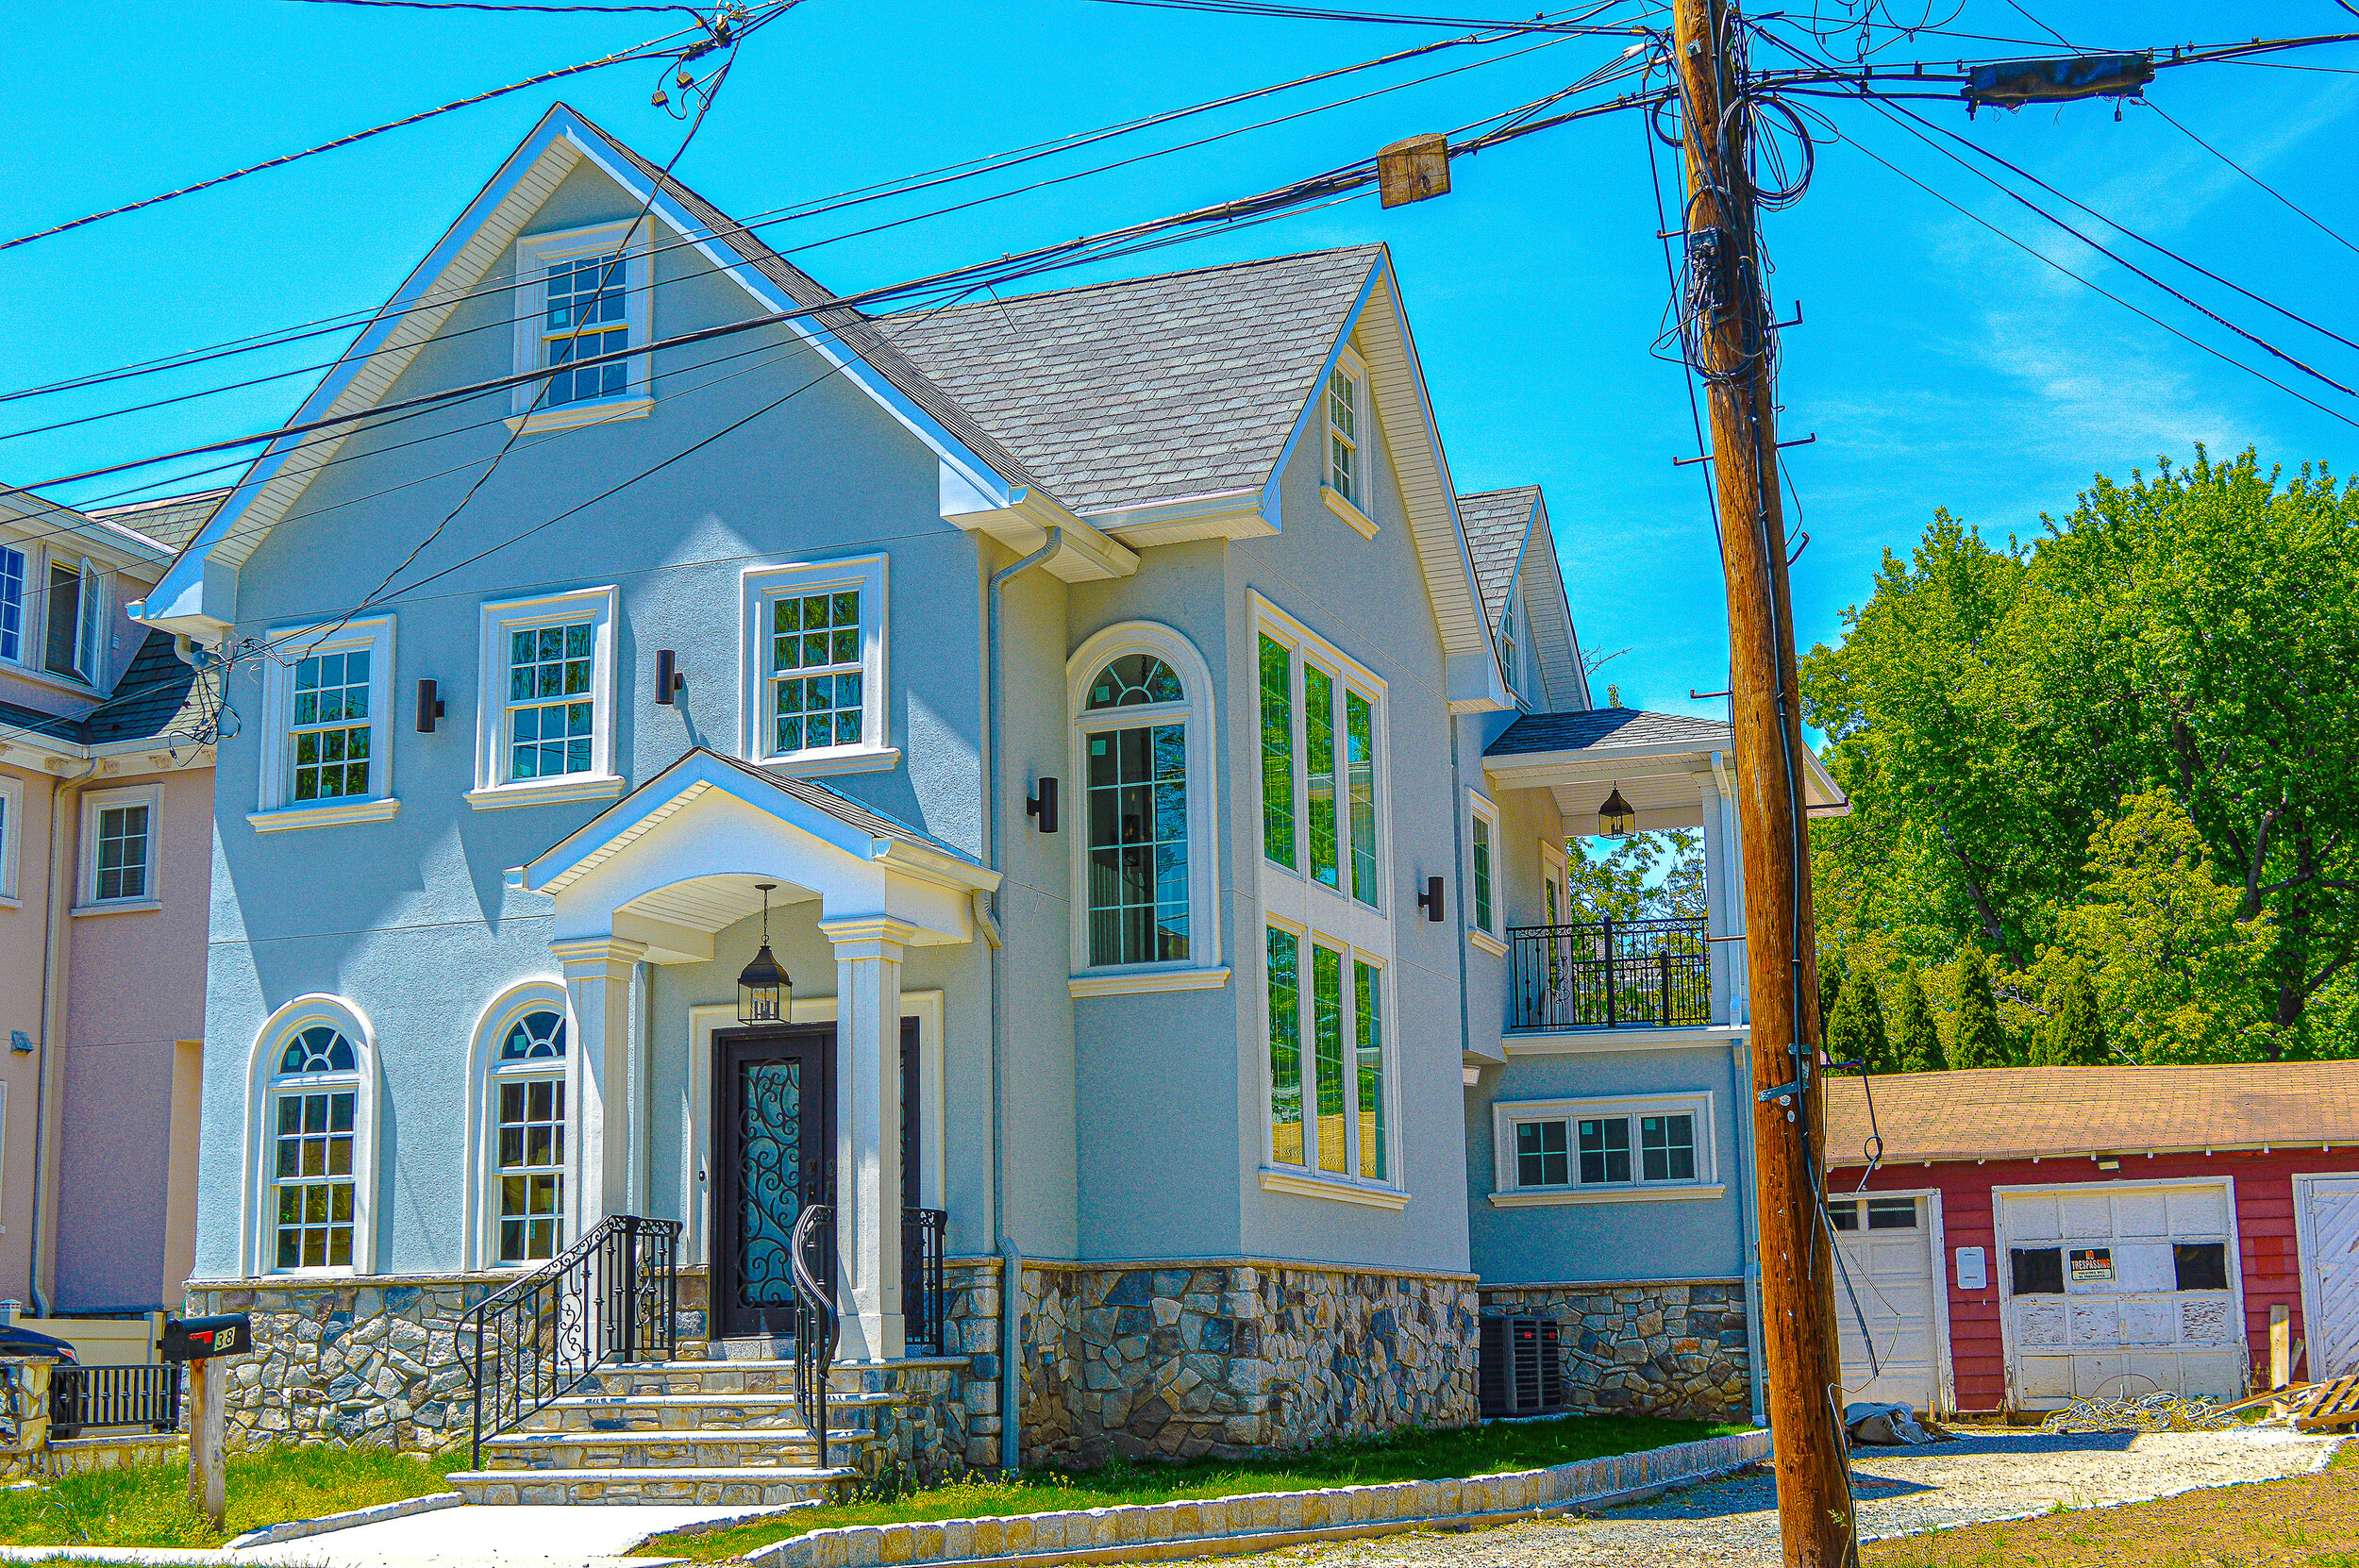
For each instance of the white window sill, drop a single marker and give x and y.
(9, 903)
(322, 816)
(71, 685)
(1145, 982)
(1333, 1189)
(1486, 942)
(547, 791)
(116, 905)
(832, 761)
(573, 416)
(1551, 1197)
(1349, 513)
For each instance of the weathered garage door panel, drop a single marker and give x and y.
(1888, 1280)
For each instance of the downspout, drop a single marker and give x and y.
(1741, 1057)
(65, 794)
(1011, 1278)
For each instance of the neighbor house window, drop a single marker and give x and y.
(11, 811)
(1578, 1146)
(313, 1104)
(1343, 425)
(327, 699)
(1321, 752)
(528, 1137)
(546, 725)
(119, 845)
(75, 600)
(11, 604)
(1337, 1123)
(815, 664)
(584, 295)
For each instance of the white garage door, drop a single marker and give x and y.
(2114, 1291)
(1888, 1267)
(2330, 1266)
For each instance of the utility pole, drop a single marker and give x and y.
(1727, 337)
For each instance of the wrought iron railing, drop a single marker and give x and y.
(1613, 974)
(811, 1258)
(83, 1397)
(922, 1230)
(610, 1297)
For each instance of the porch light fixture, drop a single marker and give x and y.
(1614, 818)
(764, 991)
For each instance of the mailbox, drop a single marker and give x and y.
(201, 1338)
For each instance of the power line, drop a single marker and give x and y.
(1315, 13)
(2307, 216)
(487, 6)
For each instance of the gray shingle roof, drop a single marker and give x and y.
(1496, 522)
(1608, 730)
(157, 698)
(171, 521)
(1152, 388)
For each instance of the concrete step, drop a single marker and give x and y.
(726, 1413)
(658, 1379)
(716, 1487)
(771, 1449)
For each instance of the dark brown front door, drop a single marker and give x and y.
(774, 1136)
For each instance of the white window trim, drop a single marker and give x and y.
(1355, 512)
(1554, 869)
(26, 610)
(1197, 712)
(1307, 1179)
(1291, 894)
(1490, 938)
(86, 885)
(758, 587)
(1506, 1115)
(1513, 634)
(533, 254)
(11, 837)
(275, 807)
(261, 1074)
(479, 1249)
(493, 790)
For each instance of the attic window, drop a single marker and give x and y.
(584, 295)
(1507, 641)
(1344, 413)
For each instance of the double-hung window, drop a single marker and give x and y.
(1652, 1147)
(312, 1125)
(545, 730)
(73, 614)
(1330, 1114)
(12, 567)
(813, 692)
(1346, 386)
(1483, 887)
(1320, 767)
(583, 300)
(119, 848)
(327, 697)
(528, 1138)
(12, 828)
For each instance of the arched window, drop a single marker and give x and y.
(520, 1113)
(312, 1121)
(1142, 738)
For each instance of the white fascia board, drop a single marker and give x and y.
(570, 853)
(1527, 769)
(111, 544)
(1085, 553)
(1826, 798)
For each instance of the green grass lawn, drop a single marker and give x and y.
(1416, 1456)
(148, 1504)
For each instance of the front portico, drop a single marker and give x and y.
(654, 879)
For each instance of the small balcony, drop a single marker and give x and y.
(1610, 974)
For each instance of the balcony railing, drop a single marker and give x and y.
(1613, 974)
(921, 1231)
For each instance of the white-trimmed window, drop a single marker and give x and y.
(13, 567)
(1322, 760)
(1143, 857)
(1652, 1147)
(11, 833)
(1510, 653)
(119, 847)
(312, 1145)
(545, 719)
(1485, 897)
(76, 609)
(813, 695)
(582, 294)
(518, 1118)
(1346, 424)
(1330, 1082)
(327, 702)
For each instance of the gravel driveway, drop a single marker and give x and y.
(1735, 1522)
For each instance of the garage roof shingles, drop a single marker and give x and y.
(1154, 389)
(2045, 1112)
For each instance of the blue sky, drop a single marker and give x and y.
(1938, 365)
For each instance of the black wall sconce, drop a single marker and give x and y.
(667, 677)
(1430, 900)
(429, 707)
(1042, 803)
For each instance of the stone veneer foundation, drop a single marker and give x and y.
(1652, 1347)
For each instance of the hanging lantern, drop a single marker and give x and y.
(1614, 818)
(765, 991)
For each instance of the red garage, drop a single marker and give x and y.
(2037, 1234)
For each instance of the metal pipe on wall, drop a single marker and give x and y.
(65, 797)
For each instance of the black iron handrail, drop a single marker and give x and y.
(1612, 974)
(810, 1260)
(921, 1231)
(611, 1296)
(83, 1397)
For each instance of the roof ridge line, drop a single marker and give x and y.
(1144, 277)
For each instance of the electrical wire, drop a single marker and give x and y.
(488, 6)
(1316, 14)
(2306, 215)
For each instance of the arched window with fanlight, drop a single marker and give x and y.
(520, 1160)
(311, 1151)
(1143, 851)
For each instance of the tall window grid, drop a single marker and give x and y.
(1486, 907)
(583, 322)
(11, 604)
(1337, 1123)
(1137, 800)
(1319, 766)
(1343, 433)
(311, 1151)
(550, 700)
(331, 728)
(815, 676)
(1278, 752)
(123, 853)
(1329, 767)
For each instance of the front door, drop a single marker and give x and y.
(774, 1132)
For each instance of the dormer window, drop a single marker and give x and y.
(1344, 467)
(1507, 642)
(583, 296)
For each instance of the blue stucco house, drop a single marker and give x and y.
(1149, 773)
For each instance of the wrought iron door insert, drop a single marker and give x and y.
(774, 1134)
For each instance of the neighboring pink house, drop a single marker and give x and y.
(105, 852)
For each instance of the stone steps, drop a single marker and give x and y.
(642, 1379)
(767, 1448)
(674, 1413)
(714, 1488)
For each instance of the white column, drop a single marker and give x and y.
(599, 1116)
(1724, 892)
(868, 1133)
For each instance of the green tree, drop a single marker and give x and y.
(2074, 1034)
(1829, 989)
(1977, 1040)
(1915, 1044)
(2175, 973)
(1857, 1033)
(1652, 875)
